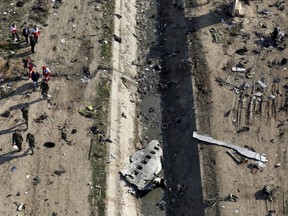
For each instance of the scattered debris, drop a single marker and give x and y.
(36, 180)
(144, 166)
(256, 166)
(236, 9)
(162, 205)
(270, 192)
(88, 112)
(245, 152)
(238, 158)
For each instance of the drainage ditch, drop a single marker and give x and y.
(167, 107)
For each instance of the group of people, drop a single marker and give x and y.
(31, 35)
(35, 76)
(17, 138)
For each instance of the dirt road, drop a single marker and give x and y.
(68, 43)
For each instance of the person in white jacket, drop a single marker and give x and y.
(13, 30)
(35, 33)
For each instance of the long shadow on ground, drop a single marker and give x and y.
(181, 153)
(4, 158)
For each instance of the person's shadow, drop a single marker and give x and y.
(10, 130)
(11, 156)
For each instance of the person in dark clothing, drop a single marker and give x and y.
(32, 43)
(44, 88)
(26, 33)
(17, 140)
(31, 141)
(35, 77)
(24, 111)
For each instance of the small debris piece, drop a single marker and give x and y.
(236, 9)
(41, 118)
(19, 4)
(74, 131)
(270, 192)
(263, 85)
(236, 157)
(117, 38)
(13, 168)
(59, 172)
(216, 35)
(242, 51)
(36, 180)
(6, 114)
(231, 197)
(162, 205)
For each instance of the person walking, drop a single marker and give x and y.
(46, 73)
(26, 33)
(13, 30)
(36, 33)
(24, 111)
(44, 88)
(17, 140)
(32, 43)
(35, 77)
(31, 142)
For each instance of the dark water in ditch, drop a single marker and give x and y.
(167, 107)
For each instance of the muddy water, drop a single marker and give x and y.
(167, 106)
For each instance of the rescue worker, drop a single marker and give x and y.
(46, 73)
(24, 111)
(44, 88)
(35, 77)
(13, 30)
(32, 43)
(26, 33)
(36, 33)
(17, 139)
(31, 142)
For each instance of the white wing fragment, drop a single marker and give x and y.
(243, 151)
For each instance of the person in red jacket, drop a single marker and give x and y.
(13, 30)
(46, 73)
(36, 33)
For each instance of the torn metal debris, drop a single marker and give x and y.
(144, 166)
(245, 152)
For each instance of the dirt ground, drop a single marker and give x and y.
(241, 118)
(193, 88)
(68, 43)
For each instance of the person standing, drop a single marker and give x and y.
(46, 73)
(44, 88)
(36, 33)
(13, 30)
(35, 77)
(24, 111)
(31, 141)
(32, 43)
(17, 139)
(26, 33)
